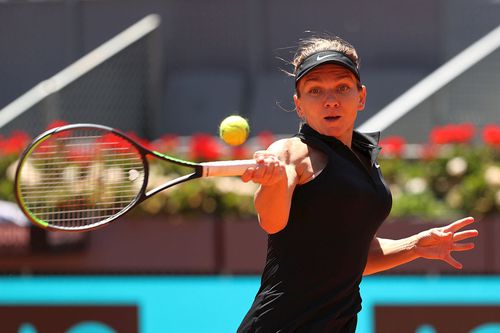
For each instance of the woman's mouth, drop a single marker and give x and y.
(331, 118)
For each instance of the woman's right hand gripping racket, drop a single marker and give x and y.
(83, 176)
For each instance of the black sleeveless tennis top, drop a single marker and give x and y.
(315, 264)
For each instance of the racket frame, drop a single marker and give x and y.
(142, 194)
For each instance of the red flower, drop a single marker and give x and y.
(82, 154)
(491, 135)
(429, 152)
(167, 143)
(143, 142)
(14, 144)
(115, 144)
(460, 133)
(57, 123)
(113, 141)
(265, 139)
(204, 147)
(239, 153)
(393, 146)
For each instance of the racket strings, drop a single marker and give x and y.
(80, 177)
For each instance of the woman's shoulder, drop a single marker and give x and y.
(290, 150)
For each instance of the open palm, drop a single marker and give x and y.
(438, 243)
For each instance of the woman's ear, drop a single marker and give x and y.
(362, 98)
(296, 101)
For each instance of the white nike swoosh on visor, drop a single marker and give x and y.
(319, 58)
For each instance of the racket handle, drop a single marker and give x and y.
(226, 168)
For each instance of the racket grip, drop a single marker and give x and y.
(226, 168)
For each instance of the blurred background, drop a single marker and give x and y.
(168, 72)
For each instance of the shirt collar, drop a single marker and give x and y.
(367, 142)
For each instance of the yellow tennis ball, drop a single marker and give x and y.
(234, 130)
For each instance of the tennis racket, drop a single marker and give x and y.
(83, 176)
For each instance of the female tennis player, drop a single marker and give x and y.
(322, 198)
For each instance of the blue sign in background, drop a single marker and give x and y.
(217, 304)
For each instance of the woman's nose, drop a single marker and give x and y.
(331, 100)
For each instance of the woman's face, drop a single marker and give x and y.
(330, 100)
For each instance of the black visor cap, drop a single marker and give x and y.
(326, 57)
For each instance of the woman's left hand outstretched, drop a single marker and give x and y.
(439, 243)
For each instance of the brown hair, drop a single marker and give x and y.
(315, 44)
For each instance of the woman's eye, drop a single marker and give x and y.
(343, 88)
